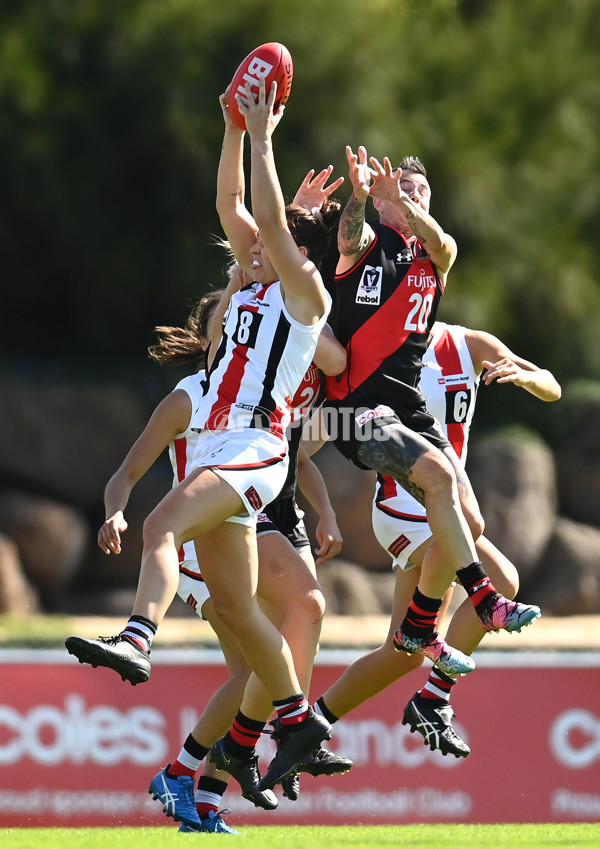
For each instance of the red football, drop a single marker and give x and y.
(271, 61)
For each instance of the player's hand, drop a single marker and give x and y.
(229, 122)
(239, 279)
(359, 172)
(260, 119)
(313, 191)
(109, 535)
(386, 181)
(329, 539)
(504, 371)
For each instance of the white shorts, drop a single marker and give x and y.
(253, 462)
(192, 589)
(400, 537)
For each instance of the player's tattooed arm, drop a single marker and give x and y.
(353, 232)
(416, 225)
(441, 247)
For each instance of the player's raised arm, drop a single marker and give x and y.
(410, 195)
(237, 222)
(354, 234)
(305, 295)
(313, 191)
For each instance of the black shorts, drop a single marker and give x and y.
(284, 515)
(349, 427)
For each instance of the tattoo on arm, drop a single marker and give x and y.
(351, 236)
(416, 226)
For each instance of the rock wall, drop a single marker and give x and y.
(59, 444)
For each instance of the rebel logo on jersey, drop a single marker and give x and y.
(369, 289)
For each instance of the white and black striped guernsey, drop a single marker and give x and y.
(261, 361)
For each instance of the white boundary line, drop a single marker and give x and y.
(325, 657)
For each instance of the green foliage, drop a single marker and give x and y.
(110, 135)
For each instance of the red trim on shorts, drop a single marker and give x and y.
(249, 466)
(195, 576)
(396, 514)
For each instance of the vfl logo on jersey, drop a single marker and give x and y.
(369, 288)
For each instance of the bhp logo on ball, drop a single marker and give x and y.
(575, 738)
(257, 69)
(103, 735)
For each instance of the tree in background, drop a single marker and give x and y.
(110, 133)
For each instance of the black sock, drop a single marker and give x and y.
(195, 749)
(212, 785)
(321, 707)
(241, 739)
(421, 616)
(471, 575)
(476, 582)
(209, 794)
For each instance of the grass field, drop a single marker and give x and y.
(582, 836)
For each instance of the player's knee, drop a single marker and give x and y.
(319, 604)
(405, 663)
(228, 610)
(154, 532)
(508, 584)
(438, 480)
(415, 661)
(512, 588)
(476, 523)
(313, 606)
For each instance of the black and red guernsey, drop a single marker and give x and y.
(386, 306)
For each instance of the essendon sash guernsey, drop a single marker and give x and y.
(261, 361)
(386, 306)
(308, 394)
(449, 383)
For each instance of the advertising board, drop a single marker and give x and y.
(78, 746)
